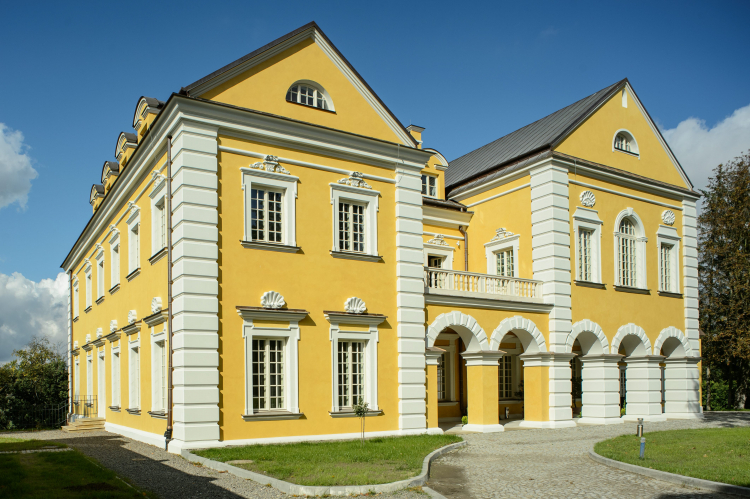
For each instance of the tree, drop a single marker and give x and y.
(724, 278)
(360, 410)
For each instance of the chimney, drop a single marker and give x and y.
(416, 132)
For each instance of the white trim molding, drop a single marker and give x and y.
(361, 196)
(588, 219)
(668, 236)
(640, 248)
(253, 177)
(690, 273)
(533, 342)
(464, 325)
(588, 347)
(502, 241)
(631, 330)
(673, 332)
(438, 247)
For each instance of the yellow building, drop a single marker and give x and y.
(321, 256)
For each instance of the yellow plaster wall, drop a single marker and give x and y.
(536, 393)
(458, 251)
(264, 88)
(612, 309)
(432, 403)
(594, 140)
(482, 389)
(312, 280)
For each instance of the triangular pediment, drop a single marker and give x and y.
(261, 79)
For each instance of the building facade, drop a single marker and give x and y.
(321, 256)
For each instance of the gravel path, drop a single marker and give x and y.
(167, 475)
(555, 463)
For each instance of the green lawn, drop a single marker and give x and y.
(52, 475)
(16, 444)
(717, 454)
(380, 460)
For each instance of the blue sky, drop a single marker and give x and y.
(469, 72)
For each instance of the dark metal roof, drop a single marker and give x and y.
(534, 137)
(444, 203)
(152, 102)
(112, 166)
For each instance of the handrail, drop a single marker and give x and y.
(470, 282)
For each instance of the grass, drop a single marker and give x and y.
(53, 475)
(380, 460)
(717, 454)
(17, 444)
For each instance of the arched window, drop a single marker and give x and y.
(622, 143)
(628, 267)
(625, 142)
(308, 95)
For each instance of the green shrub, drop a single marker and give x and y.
(465, 420)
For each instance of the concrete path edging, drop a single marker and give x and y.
(687, 481)
(336, 490)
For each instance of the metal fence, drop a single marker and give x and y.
(34, 417)
(85, 406)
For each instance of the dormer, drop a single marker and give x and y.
(145, 113)
(96, 196)
(126, 144)
(110, 171)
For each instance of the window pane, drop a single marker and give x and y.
(424, 185)
(441, 377)
(358, 228)
(257, 215)
(343, 374)
(344, 227)
(357, 369)
(274, 217)
(432, 187)
(259, 374)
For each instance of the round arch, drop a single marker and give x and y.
(630, 137)
(630, 213)
(317, 87)
(631, 330)
(681, 350)
(465, 325)
(587, 326)
(532, 341)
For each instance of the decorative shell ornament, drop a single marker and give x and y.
(113, 325)
(355, 305)
(270, 164)
(501, 233)
(668, 217)
(156, 305)
(88, 338)
(356, 179)
(588, 199)
(272, 299)
(99, 332)
(132, 317)
(439, 239)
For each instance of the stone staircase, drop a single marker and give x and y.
(85, 424)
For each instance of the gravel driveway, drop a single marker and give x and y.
(168, 475)
(555, 463)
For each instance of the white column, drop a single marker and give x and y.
(643, 388)
(195, 289)
(550, 242)
(682, 387)
(410, 302)
(690, 274)
(601, 389)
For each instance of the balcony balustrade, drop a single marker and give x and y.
(468, 284)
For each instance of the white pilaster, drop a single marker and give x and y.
(690, 273)
(682, 388)
(550, 242)
(195, 289)
(410, 301)
(643, 388)
(601, 389)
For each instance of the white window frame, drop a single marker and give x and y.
(362, 196)
(446, 252)
(287, 184)
(291, 337)
(588, 219)
(100, 274)
(101, 382)
(116, 371)
(668, 235)
(89, 285)
(78, 377)
(635, 151)
(158, 197)
(318, 91)
(89, 374)
(134, 241)
(425, 178)
(640, 248)
(114, 259)
(370, 338)
(158, 368)
(134, 374)
(76, 303)
(449, 357)
(492, 248)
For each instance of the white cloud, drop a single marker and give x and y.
(29, 309)
(700, 149)
(16, 172)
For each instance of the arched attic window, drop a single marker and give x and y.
(309, 94)
(630, 249)
(625, 142)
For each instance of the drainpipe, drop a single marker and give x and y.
(70, 343)
(168, 433)
(462, 230)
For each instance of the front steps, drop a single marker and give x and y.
(85, 424)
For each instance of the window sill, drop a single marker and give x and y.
(158, 255)
(134, 274)
(283, 248)
(356, 256)
(87, 309)
(158, 414)
(114, 289)
(114, 408)
(75, 319)
(311, 107)
(134, 412)
(447, 403)
(351, 414)
(272, 416)
(99, 300)
(669, 294)
(589, 284)
(629, 153)
(628, 289)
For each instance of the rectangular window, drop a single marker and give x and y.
(160, 376)
(164, 373)
(89, 377)
(268, 375)
(78, 379)
(441, 378)
(115, 266)
(627, 262)
(351, 375)
(429, 186)
(665, 266)
(88, 290)
(351, 227)
(161, 224)
(100, 279)
(75, 300)
(435, 262)
(505, 263)
(584, 255)
(134, 248)
(265, 215)
(135, 378)
(115, 379)
(505, 377)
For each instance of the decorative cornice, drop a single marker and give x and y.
(158, 181)
(132, 328)
(501, 234)
(358, 319)
(438, 240)
(355, 179)
(156, 318)
(270, 164)
(259, 313)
